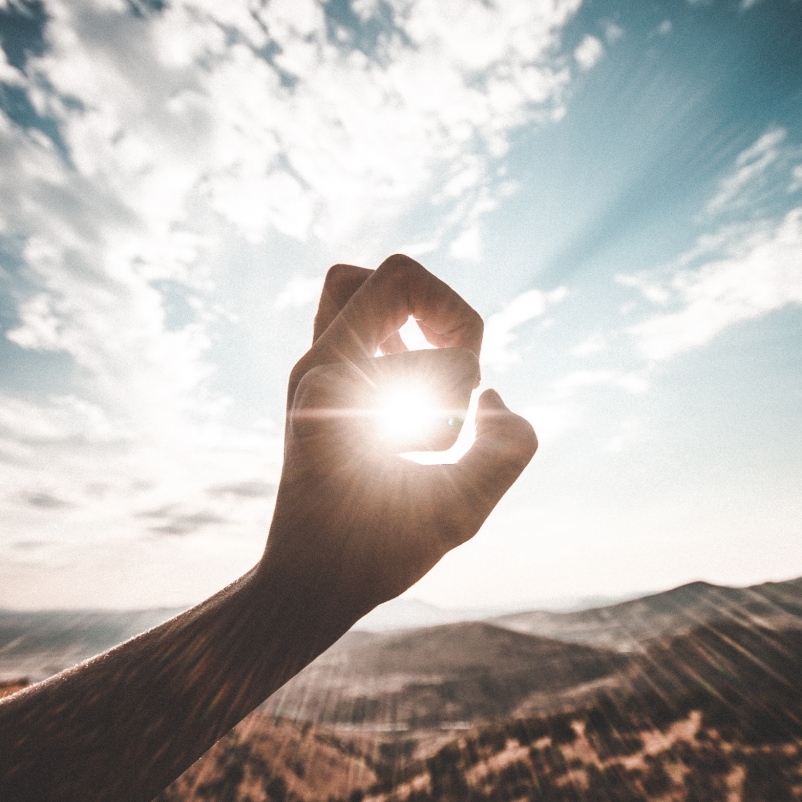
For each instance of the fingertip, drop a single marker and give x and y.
(490, 399)
(340, 284)
(495, 420)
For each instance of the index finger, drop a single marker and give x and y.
(400, 287)
(342, 281)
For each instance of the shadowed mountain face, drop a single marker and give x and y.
(428, 677)
(667, 644)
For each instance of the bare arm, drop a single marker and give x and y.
(353, 527)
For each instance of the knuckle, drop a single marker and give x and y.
(340, 277)
(299, 370)
(398, 268)
(310, 388)
(337, 273)
(477, 324)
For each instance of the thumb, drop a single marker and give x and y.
(505, 443)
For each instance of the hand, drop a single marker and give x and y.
(354, 527)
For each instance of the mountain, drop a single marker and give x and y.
(628, 625)
(38, 644)
(436, 676)
(713, 715)
(403, 613)
(697, 700)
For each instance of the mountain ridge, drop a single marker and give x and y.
(36, 644)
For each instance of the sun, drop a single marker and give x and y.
(406, 412)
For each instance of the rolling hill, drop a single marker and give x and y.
(687, 695)
(628, 625)
(435, 676)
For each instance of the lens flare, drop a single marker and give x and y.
(406, 412)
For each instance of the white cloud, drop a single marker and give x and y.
(569, 384)
(467, 246)
(299, 292)
(613, 32)
(750, 165)
(499, 334)
(629, 431)
(59, 419)
(551, 421)
(761, 274)
(593, 345)
(665, 27)
(183, 147)
(589, 52)
(650, 289)
(174, 119)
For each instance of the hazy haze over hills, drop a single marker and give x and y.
(37, 644)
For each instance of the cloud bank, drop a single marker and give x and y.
(142, 146)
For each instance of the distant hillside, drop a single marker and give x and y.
(38, 644)
(628, 625)
(433, 676)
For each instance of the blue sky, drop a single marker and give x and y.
(616, 187)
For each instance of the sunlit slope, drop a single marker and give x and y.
(264, 759)
(627, 625)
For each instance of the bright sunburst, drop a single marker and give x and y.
(406, 412)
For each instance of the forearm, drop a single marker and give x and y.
(127, 723)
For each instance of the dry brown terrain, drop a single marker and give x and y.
(714, 715)
(698, 700)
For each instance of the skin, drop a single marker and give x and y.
(353, 527)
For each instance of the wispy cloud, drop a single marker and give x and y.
(594, 344)
(796, 179)
(187, 523)
(551, 421)
(170, 139)
(750, 165)
(499, 330)
(41, 499)
(298, 292)
(734, 272)
(648, 286)
(248, 488)
(760, 275)
(589, 52)
(629, 431)
(569, 384)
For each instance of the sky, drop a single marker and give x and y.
(616, 187)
